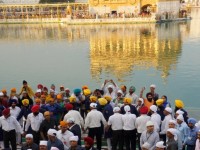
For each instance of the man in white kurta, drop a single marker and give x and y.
(64, 134)
(155, 118)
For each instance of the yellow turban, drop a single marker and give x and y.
(87, 92)
(72, 99)
(159, 102)
(93, 99)
(46, 113)
(63, 123)
(127, 100)
(3, 90)
(37, 100)
(179, 103)
(102, 101)
(108, 98)
(25, 101)
(13, 90)
(59, 96)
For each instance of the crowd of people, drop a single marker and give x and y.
(56, 120)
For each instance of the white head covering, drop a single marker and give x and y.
(1, 93)
(54, 148)
(153, 108)
(14, 97)
(179, 112)
(168, 109)
(174, 132)
(93, 105)
(38, 91)
(153, 85)
(29, 136)
(52, 132)
(51, 90)
(180, 117)
(141, 99)
(43, 143)
(110, 86)
(71, 120)
(149, 123)
(73, 138)
(67, 89)
(160, 144)
(198, 124)
(116, 109)
(127, 108)
(172, 121)
(146, 145)
(120, 91)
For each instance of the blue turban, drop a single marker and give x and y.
(13, 101)
(77, 91)
(192, 120)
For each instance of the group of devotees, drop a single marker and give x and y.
(57, 119)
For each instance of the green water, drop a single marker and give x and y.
(166, 55)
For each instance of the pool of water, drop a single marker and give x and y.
(140, 54)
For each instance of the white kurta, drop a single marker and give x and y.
(64, 137)
(76, 115)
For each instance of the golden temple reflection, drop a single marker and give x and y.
(115, 50)
(119, 50)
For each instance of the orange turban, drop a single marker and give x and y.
(13, 90)
(59, 96)
(63, 123)
(37, 100)
(84, 87)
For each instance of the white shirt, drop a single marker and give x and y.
(10, 123)
(106, 92)
(93, 119)
(64, 137)
(116, 121)
(15, 111)
(76, 115)
(34, 121)
(141, 123)
(156, 119)
(133, 96)
(165, 124)
(129, 121)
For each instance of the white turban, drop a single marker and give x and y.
(153, 85)
(38, 91)
(120, 91)
(52, 132)
(179, 112)
(146, 145)
(172, 121)
(160, 144)
(110, 86)
(153, 108)
(51, 90)
(54, 148)
(43, 143)
(149, 123)
(71, 120)
(168, 109)
(73, 138)
(93, 105)
(141, 99)
(29, 136)
(180, 117)
(173, 132)
(127, 108)
(116, 109)
(1, 94)
(198, 124)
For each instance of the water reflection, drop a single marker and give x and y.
(118, 50)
